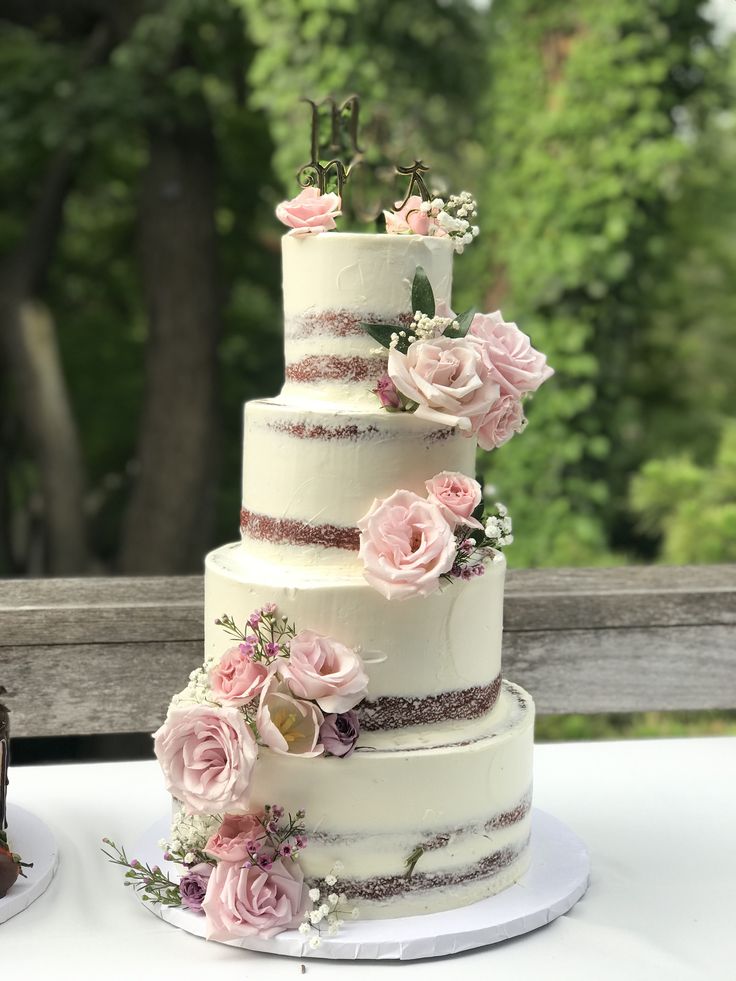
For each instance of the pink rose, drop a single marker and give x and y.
(457, 496)
(288, 725)
(448, 379)
(509, 355)
(505, 417)
(237, 679)
(407, 219)
(310, 211)
(323, 670)
(406, 544)
(230, 842)
(207, 755)
(253, 902)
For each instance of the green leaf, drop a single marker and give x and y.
(464, 320)
(412, 860)
(382, 332)
(478, 512)
(422, 297)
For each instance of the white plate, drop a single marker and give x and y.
(30, 838)
(557, 878)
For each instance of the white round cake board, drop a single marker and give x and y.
(30, 838)
(557, 878)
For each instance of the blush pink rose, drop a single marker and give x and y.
(457, 496)
(288, 725)
(406, 544)
(447, 378)
(207, 755)
(501, 422)
(230, 842)
(508, 354)
(237, 679)
(253, 902)
(322, 669)
(407, 220)
(310, 212)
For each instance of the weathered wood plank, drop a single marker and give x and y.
(73, 611)
(92, 656)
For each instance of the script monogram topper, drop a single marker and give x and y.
(334, 136)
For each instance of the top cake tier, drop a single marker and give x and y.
(332, 282)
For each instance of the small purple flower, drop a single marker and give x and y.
(247, 647)
(265, 863)
(193, 886)
(387, 394)
(301, 841)
(479, 570)
(255, 618)
(466, 573)
(272, 649)
(277, 811)
(456, 570)
(285, 851)
(339, 733)
(268, 608)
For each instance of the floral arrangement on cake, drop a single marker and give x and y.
(312, 212)
(293, 692)
(410, 544)
(240, 872)
(471, 370)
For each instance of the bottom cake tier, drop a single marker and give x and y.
(418, 825)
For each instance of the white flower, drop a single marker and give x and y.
(324, 909)
(305, 928)
(314, 895)
(314, 942)
(163, 844)
(189, 858)
(315, 916)
(330, 879)
(333, 899)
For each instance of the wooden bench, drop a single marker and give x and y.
(92, 656)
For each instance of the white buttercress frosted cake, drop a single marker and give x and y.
(349, 745)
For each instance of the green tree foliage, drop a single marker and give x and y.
(692, 507)
(585, 159)
(418, 68)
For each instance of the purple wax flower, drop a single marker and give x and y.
(339, 733)
(255, 618)
(272, 649)
(193, 886)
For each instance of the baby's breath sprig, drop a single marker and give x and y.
(475, 545)
(329, 911)
(154, 885)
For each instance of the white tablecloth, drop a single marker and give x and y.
(659, 818)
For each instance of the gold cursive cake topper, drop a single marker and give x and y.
(336, 153)
(343, 135)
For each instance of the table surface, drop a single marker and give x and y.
(659, 818)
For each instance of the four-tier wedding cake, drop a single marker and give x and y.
(349, 746)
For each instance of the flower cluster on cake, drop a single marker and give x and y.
(352, 664)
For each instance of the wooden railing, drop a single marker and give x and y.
(88, 656)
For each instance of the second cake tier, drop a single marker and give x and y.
(429, 659)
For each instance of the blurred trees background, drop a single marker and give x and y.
(145, 146)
